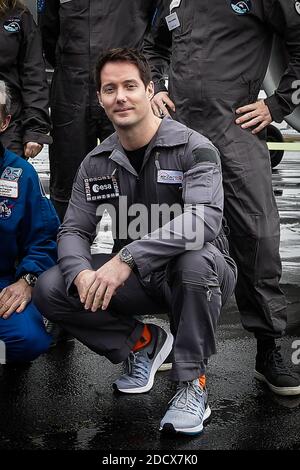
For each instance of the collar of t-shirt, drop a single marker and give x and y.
(136, 157)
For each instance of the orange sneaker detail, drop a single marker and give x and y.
(144, 339)
(202, 381)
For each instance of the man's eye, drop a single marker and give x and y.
(108, 90)
(131, 86)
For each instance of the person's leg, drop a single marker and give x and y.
(201, 282)
(112, 333)
(24, 335)
(74, 132)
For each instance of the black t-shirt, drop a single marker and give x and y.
(136, 157)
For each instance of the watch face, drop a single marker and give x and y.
(30, 279)
(125, 252)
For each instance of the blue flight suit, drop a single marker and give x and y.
(28, 227)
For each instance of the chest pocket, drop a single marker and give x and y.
(198, 185)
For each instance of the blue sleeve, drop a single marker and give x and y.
(38, 230)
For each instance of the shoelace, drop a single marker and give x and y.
(188, 398)
(137, 367)
(273, 355)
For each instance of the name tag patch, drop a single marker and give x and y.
(9, 189)
(169, 176)
(172, 21)
(102, 187)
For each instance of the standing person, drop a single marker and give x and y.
(22, 68)
(28, 227)
(180, 265)
(216, 57)
(74, 33)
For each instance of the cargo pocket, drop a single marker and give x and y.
(197, 186)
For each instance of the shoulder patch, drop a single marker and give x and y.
(205, 154)
(12, 25)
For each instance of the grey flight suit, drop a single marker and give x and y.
(74, 34)
(180, 167)
(216, 61)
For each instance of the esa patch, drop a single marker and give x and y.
(101, 188)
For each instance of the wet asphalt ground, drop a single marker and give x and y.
(64, 400)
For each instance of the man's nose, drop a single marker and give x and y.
(121, 95)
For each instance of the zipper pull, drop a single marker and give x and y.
(208, 294)
(157, 161)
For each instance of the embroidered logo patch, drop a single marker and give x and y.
(12, 25)
(241, 7)
(100, 188)
(11, 174)
(5, 209)
(297, 7)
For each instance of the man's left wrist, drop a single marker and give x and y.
(29, 278)
(126, 257)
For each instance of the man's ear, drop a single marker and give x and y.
(99, 99)
(5, 123)
(150, 90)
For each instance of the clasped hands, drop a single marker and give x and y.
(96, 288)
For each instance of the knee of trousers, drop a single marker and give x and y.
(46, 291)
(195, 266)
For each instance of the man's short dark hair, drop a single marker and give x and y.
(5, 100)
(123, 55)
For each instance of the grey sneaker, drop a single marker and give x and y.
(188, 410)
(142, 365)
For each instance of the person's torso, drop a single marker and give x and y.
(13, 177)
(89, 27)
(11, 37)
(224, 40)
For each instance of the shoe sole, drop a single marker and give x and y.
(160, 358)
(170, 428)
(284, 391)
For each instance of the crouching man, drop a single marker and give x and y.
(180, 266)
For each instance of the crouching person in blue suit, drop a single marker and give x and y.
(28, 226)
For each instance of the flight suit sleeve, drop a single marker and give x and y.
(50, 28)
(158, 45)
(34, 88)
(200, 220)
(37, 234)
(77, 231)
(283, 16)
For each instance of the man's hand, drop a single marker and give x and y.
(96, 288)
(255, 113)
(31, 149)
(160, 104)
(14, 298)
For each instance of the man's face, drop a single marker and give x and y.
(123, 94)
(4, 122)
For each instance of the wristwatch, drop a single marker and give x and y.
(126, 257)
(30, 279)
